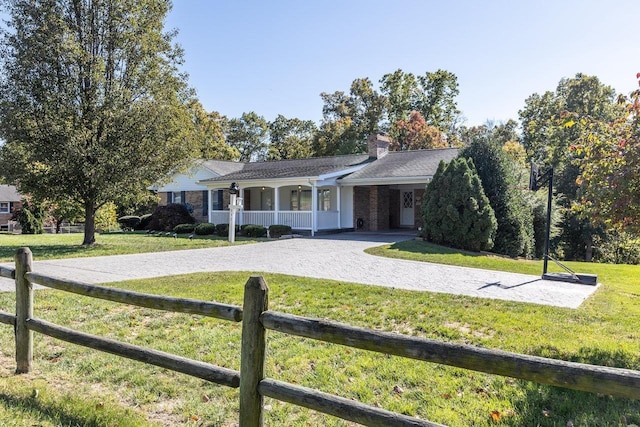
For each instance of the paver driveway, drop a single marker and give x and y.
(338, 257)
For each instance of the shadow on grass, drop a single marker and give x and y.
(48, 251)
(52, 413)
(423, 247)
(554, 406)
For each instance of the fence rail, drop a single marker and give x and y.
(257, 319)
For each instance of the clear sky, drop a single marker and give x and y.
(276, 57)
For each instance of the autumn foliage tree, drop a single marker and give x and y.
(610, 162)
(416, 134)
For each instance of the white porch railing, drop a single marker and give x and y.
(298, 220)
(263, 218)
(220, 217)
(328, 220)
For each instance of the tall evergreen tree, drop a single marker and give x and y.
(456, 211)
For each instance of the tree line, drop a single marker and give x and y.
(94, 110)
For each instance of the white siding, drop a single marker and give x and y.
(346, 207)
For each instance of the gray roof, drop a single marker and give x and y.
(404, 164)
(8, 193)
(290, 168)
(222, 167)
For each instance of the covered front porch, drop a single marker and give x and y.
(304, 206)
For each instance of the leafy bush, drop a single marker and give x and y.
(618, 248)
(253, 230)
(205, 229)
(456, 212)
(129, 222)
(222, 230)
(276, 230)
(145, 220)
(165, 218)
(106, 217)
(184, 228)
(31, 217)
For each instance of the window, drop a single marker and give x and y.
(216, 200)
(324, 200)
(301, 200)
(266, 199)
(176, 197)
(4, 207)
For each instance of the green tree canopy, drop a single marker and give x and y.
(249, 135)
(209, 130)
(456, 211)
(500, 179)
(291, 138)
(92, 106)
(610, 166)
(551, 124)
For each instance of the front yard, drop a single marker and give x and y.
(76, 386)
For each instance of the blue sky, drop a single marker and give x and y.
(276, 57)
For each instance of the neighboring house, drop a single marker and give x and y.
(379, 190)
(10, 202)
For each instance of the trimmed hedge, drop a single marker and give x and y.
(205, 229)
(129, 222)
(253, 230)
(222, 230)
(145, 220)
(184, 228)
(165, 218)
(276, 230)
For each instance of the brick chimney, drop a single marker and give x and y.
(378, 145)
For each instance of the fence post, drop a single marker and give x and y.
(24, 311)
(252, 361)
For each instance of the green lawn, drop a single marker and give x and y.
(51, 246)
(83, 387)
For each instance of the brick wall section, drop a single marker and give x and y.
(418, 197)
(394, 208)
(379, 207)
(6, 217)
(195, 199)
(361, 207)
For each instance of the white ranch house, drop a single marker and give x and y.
(379, 190)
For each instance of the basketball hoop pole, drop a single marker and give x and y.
(548, 232)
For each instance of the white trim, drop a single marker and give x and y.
(416, 180)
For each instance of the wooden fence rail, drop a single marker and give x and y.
(257, 319)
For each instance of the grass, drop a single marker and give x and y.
(54, 246)
(603, 331)
(77, 386)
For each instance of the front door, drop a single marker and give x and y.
(406, 209)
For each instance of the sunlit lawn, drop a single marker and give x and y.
(51, 246)
(603, 331)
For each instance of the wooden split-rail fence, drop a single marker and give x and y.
(257, 318)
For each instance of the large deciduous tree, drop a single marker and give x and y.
(551, 124)
(609, 167)
(433, 95)
(416, 134)
(92, 105)
(290, 138)
(347, 119)
(209, 129)
(249, 134)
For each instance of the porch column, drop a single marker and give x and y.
(314, 209)
(210, 207)
(241, 211)
(276, 201)
(338, 206)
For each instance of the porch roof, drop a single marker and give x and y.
(9, 193)
(298, 168)
(395, 165)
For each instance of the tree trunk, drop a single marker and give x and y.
(589, 249)
(58, 225)
(89, 223)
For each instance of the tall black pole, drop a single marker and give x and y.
(546, 239)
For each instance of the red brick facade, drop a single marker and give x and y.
(6, 217)
(378, 207)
